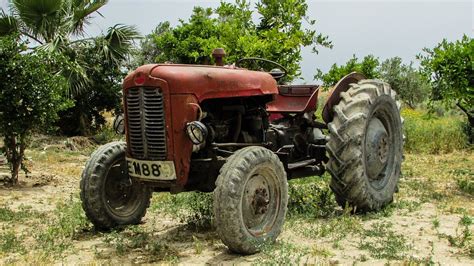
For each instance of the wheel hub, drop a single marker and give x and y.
(260, 201)
(376, 148)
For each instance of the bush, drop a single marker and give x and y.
(430, 134)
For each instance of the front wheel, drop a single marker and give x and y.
(250, 199)
(110, 197)
(365, 146)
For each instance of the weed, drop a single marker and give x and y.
(282, 253)
(135, 238)
(193, 208)
(466, 185)
(198, 245)
(335, 228)
(463, 239)
(321, 252)
(311, 197)
(68, 221)
(384, 243)
(24, 212)
(435, 223)
(10, 243)
(106, 135)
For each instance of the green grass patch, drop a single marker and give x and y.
(137, 239)
(311, 197)
(384, 243)
(11, 243)
(432, 134)
(192, 208)
(282, 253)
(23, 213)
(67, 223)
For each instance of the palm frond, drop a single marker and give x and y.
(42, 17)
(118, 42)
(8, 24)
(77, 79)
(81, 12)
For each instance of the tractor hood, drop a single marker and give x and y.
(204, 82)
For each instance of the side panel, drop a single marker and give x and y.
(183, 111)
(335, 95)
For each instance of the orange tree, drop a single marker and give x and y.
(30, 95)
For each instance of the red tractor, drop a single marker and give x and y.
(238, 133)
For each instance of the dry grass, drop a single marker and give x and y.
(432, 215)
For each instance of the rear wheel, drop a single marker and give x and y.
(110, 197)
(250, 199)
(365, 146)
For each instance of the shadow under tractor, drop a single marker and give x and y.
(239, 134)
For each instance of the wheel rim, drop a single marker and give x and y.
(261, 201)
(380, 144)
(121, 192)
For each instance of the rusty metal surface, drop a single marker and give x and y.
(335, 94)
(183, 111)
(295, 99)
(206, 82)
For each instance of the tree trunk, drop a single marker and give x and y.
(15, 150)
(470, 119)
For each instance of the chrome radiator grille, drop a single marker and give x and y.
(146, 123)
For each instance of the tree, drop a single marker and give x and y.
(449, 67)
(409, 83)
(278, 35)
(57, 26)
(31, 93)
(368, 67)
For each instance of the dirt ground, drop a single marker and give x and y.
(430, 222)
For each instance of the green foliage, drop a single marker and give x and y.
(431, 134)
(384, 243)
(31, 96)
(410, 85)
(104, 93)
(278, 35)
(193, 208)
(68, 222)
(135, 238)
(11, 243)
(368, 67)
(449, 66)
(93, 66)
(310, 197)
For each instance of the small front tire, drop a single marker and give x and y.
(250, 200)
(110, 197)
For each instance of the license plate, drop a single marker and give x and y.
(154, 170)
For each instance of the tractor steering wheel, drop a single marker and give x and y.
(277, 73)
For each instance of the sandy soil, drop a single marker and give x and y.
(54, 181)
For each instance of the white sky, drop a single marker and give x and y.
(385, 28)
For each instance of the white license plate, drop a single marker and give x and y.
(154, 170)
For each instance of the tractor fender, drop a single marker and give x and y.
(335, 94)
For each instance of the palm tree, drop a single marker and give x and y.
(58, 26)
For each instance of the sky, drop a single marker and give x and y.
(384, 28)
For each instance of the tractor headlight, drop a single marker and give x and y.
(197, 132)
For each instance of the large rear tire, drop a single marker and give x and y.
(365, 146)
(110, 197)
(250, 200)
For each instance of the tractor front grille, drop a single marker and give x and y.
(146, 123)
